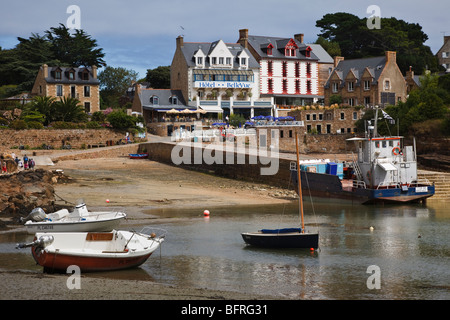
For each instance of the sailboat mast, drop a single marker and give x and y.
(300, 199)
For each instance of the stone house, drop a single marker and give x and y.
(443, 54)
(291, 72)
(366, 81)
(80, 83)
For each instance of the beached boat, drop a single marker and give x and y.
(384, 171)
(138, 155)
(285, 237)
(94, 251)
(78, 220)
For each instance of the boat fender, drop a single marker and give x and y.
(396, 151)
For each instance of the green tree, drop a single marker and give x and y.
(113, 84)
(331, 47)
(159, 77)
(120, 120)
(357, 41)
(78, 49)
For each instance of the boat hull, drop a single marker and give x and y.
(282, 240)
(324, 185)
(59, 262)
(74, 226)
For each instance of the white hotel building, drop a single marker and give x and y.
(219, 77)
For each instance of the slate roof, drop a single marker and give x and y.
(190, 48)
(260, 43)
(65, 76)
(357, 66)
(164, 99)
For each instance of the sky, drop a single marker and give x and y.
(141, 34)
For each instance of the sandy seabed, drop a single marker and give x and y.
(143, 185)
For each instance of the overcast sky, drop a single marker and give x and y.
(140, 34)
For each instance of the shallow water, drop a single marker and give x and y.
(410, 245)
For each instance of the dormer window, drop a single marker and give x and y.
(154, 100)
(308, 52)
(199, 60)
(85, 74)
(72, 75)
(174, 100)
(243, 61)
(58, 74)
(269, 49)
(289, 49)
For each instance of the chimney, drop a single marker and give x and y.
(243, 37)
(299, 37)
(391, 56)
(45, 69)
(410, 73)
(337, 60)
(180, 42)
(94, 72)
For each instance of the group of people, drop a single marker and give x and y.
(25, 164)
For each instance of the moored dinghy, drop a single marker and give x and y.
(80, 219)
(94, 251)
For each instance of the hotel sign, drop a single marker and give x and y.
(222, 84)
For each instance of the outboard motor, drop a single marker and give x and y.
(41, 243)
(37, 214)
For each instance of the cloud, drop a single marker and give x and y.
(142, 33)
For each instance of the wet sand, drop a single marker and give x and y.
(137, 186)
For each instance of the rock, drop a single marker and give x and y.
(23, 191)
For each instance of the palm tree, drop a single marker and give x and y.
(70, 110)
(45, 106)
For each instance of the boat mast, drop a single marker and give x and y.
(299, 181)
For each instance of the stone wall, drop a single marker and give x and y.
(77, 138)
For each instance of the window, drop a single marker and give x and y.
(387, 85)
(87, 107)
(85, 75)
(59, 90)
(71, 75)
(73, 92)
(269, 50)
(221, 60)
(351, 101)
(355, 115)
(335, 87)
(308, 70)
(174, 100)
(350, 86)
(214, 60)
(58, 74)
(243, 61)
(342, 116)
(366, 101)
(366, 84)
(314, 117)
(308, 52)
(290, 133)
(154, 100)
(269, 68)
(297, 86)
(200, 60)
(328, 128)
(308, 87)
(285, 86)
(319, 128)
(228, 60)
(297, 69)
(284, 69)
(270, 85)
(87, 91)
(308, 117)
(321, 116)
(281, 134)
